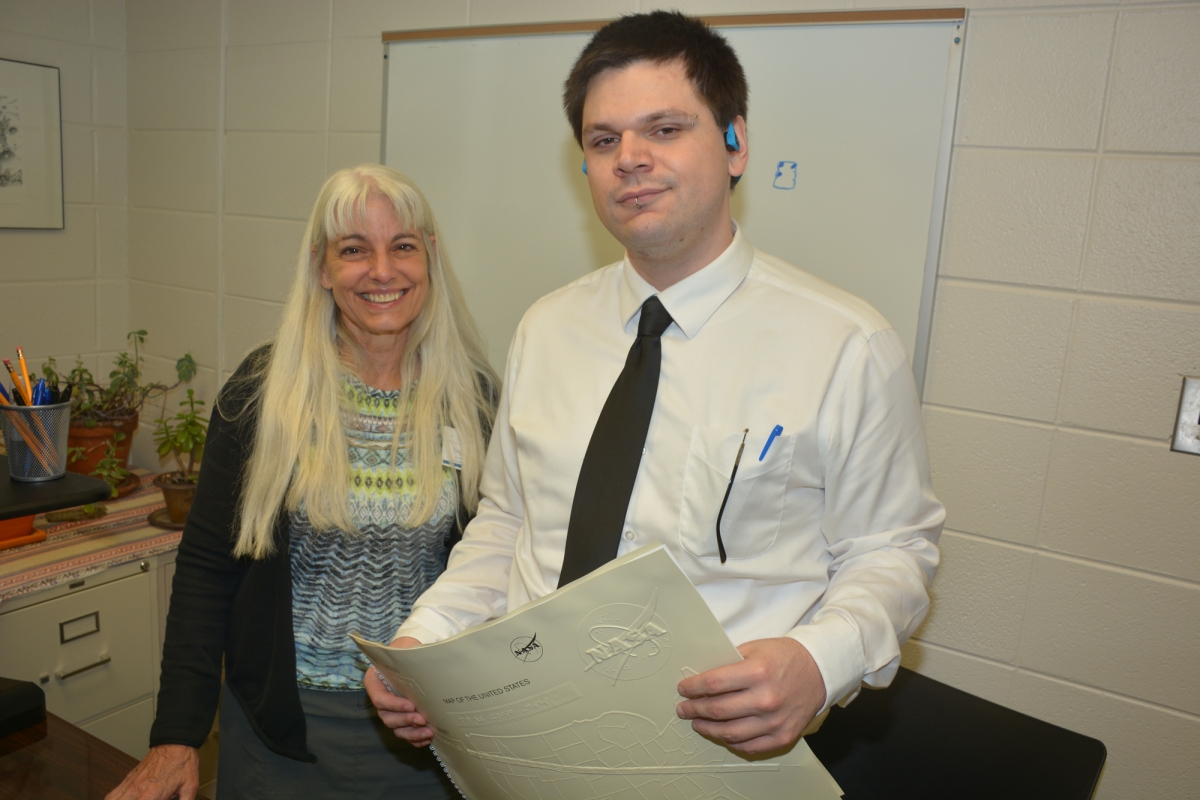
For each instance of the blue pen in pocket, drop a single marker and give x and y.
(778, 429)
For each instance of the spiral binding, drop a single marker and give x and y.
(442, 764)
(432, 749)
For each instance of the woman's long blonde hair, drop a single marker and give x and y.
(301, 396)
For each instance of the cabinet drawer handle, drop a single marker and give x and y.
(62, 676)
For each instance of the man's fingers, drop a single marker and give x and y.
(760, 701)
(717, 681)
(409, 727)
(733, 732)
(408, 719)
(397, 712)
(417, 737)
(759, 704)
(721, 707)
(392, 703)
(747, 735)
(405, 641)
(383, 699)
(755, 746)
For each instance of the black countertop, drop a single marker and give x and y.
(18, 499)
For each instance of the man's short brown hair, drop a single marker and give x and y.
(660, 37)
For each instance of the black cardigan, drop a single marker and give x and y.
(237, 608)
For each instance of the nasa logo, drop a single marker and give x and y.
(525, 648)
(624, 641)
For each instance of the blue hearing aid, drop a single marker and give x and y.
(585, 166)
(731, 140)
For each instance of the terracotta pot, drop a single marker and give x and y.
(129, 486)
(94, 442)
(178, 496)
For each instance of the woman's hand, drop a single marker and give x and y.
(397, 711)
(166, 770)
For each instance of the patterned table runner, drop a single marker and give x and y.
(74, 550)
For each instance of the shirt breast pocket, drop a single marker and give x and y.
(750, 522)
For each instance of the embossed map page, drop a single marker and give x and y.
(572, 697)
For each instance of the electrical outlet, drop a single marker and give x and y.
(1187, 422)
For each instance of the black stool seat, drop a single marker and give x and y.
(924, 740)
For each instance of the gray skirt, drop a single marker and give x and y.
(357, 756)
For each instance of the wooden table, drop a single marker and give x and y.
(54, 760)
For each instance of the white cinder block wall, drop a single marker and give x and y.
(66, 292)
(1068, 302)
(1067, 309)
(175, 71)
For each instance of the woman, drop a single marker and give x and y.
(343, 460)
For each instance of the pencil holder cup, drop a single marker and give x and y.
(36, 440)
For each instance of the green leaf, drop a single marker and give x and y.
(185, 368)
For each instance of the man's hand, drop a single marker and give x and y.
(166, 770)
(760, 704)
(397, 711)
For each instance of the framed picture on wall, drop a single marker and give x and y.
(31, 173)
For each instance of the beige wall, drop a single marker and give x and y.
(1068, 306)
(1068, 302)
(66, 292)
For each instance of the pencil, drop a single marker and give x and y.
(25, 374)
(41, 450)
(17, 385)
(25, 393)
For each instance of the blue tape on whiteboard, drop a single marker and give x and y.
(785, 175)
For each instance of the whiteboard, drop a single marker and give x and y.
(849, 127)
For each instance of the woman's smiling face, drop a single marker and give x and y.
(379, 275)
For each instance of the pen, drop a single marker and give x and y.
(42, 451)
(778, 429)
(41, 394)
(24, 390)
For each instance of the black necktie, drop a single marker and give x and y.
(610, 465)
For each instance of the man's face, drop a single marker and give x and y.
(657, 164)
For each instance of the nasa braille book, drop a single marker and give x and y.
(572, 697)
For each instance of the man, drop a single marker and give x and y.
(784, 463)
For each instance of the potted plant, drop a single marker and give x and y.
(109, 470)
(179, 436)
(98, 412)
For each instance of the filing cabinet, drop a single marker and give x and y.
(94, 646)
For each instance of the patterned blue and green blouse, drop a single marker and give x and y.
(367, 582)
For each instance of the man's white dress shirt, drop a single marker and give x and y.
(831, 535)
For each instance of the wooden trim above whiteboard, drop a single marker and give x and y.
(725, 21)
